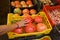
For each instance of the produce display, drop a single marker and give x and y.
(21, 4)
(34, 25)
(23, 7)
(37, 24)
(40, 21)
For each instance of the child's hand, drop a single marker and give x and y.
(22, 23)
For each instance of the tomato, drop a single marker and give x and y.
(33, 11)
(17, 2)
(28, 18)
(13, 4)
(30, 28)
(18, 30)
(41, 27)
(22, 3)
(25, 11)
(29, 2)
(38, 19)
(45, 39)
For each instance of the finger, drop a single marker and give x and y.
(23, 24)
(26, 21)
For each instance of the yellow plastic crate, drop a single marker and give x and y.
(43, 37)
(13, 35)
(46, 37)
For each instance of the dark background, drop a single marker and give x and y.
(4, 9)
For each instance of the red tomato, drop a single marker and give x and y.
(17, 2)
(18, 30)
(25, 11)
(30, 28)
(29, 2)
(28, 18)
(33, 11)
(41, 27)
(38, 19)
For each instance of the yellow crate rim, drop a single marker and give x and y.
(43, 37)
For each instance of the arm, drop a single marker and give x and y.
(6, 28)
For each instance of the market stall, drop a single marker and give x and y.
(43, 17)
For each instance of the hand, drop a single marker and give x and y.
(22, 23)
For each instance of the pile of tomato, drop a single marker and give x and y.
(35, 24)
(20, 4)
(25, 11)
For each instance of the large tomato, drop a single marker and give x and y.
(38, 19)
(41, 27)
(25, 11)
(28, 18)
(30, 28)
(18, 30)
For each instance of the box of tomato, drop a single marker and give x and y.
(38, 24)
